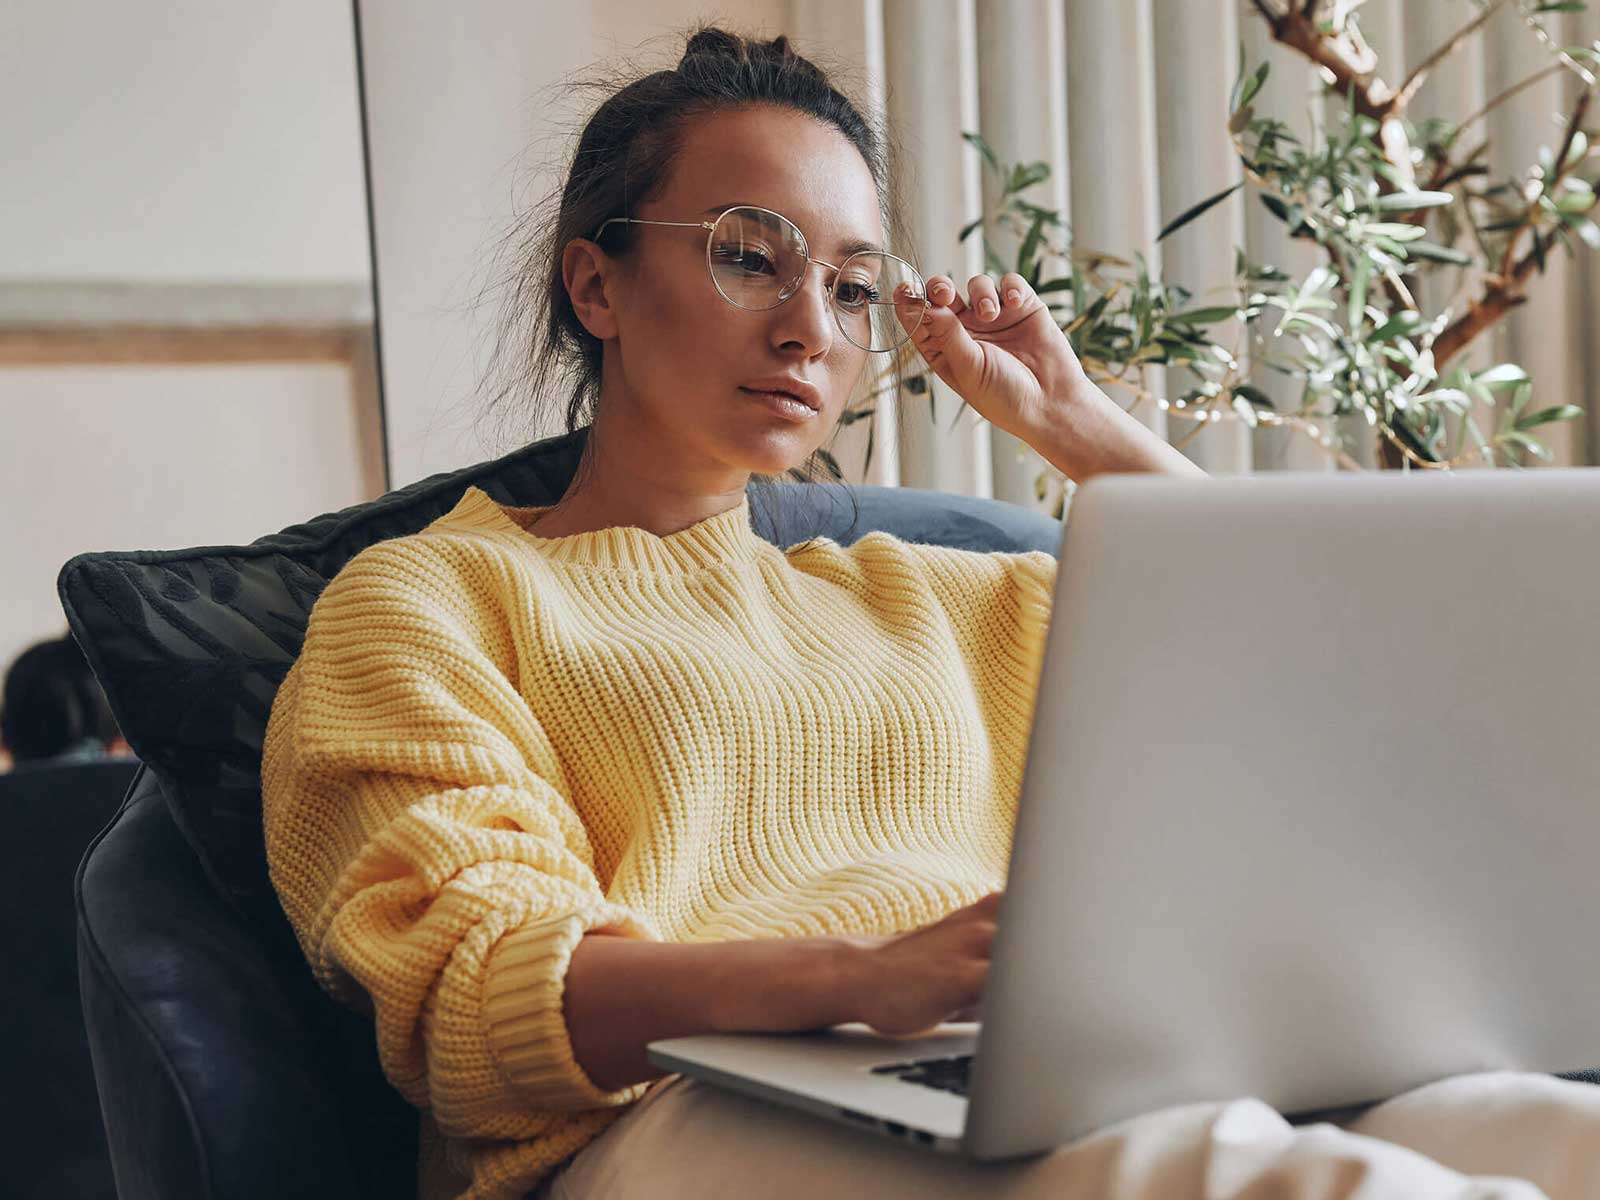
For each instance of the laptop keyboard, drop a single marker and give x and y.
(947, 1074)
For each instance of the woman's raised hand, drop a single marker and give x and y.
(1000, 349)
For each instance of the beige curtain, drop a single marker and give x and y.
(1127, 100)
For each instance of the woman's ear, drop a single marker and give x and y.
(584, 267)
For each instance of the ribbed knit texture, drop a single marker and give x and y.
(494, 742)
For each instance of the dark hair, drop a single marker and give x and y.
(51, 701)
(623, 157)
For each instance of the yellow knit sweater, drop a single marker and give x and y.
(493, 742)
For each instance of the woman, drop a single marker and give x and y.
(548, 784)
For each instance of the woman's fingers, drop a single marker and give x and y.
(987, 300)
(984, 297)
(1014, 291)
(942, 291)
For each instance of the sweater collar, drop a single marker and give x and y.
(718, 540)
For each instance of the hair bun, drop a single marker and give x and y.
(713, 42)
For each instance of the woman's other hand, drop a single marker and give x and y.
(911, 982)
(1000, 349)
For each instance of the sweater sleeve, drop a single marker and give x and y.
(422, 841)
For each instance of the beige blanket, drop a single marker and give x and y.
(1499, 1135)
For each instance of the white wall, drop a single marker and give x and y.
(255, 478)
(191, 142)
(190, 139)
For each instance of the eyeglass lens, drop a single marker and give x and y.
(758, 260)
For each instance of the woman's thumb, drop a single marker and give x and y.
(942, 341)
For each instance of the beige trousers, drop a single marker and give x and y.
(1500, 1135)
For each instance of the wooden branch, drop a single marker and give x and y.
(1353, 66)
(1500, 296)
(1356, 74)
(1297, 29)
(1509, 92)
(1420, 72)
(1503, 292)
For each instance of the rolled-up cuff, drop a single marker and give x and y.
(527, 1029)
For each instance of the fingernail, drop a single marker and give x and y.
(987, 310)
(1013, 295)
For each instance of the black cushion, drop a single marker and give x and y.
(191, 645)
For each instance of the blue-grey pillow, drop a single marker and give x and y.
(191, 645)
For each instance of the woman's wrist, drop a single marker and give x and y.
(854, 974)
(1085, 433)
(786, 984)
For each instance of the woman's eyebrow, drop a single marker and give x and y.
(847, 249)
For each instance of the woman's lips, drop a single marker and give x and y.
(782, 404)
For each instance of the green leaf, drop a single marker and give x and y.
(1437, 253)
(1255, 395)
(1560, 6)
(1358, 292)
(1586, 229)
(1315, 322)
(983, 149)
(1321, 279)
(1055, 285)
(1447, 396)
(1194, 211)
(1027, 264)
(831, 463)
(1203, 316)
(1403, 323)
(1275, 206)
(968, 228)
(1266, 273)
(1500, 375)
(1412, 201)
(1531, 443)
(1026, 175)
(1246, 87)
(1562, 412)
(1520, 398)
(1396, 232)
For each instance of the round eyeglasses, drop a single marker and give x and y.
(758, 259)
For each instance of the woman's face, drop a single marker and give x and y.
(680, 365)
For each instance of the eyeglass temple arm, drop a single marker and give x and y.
(707, 225)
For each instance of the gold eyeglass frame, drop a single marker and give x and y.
(805, 248)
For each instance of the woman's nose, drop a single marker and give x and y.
(806, 316)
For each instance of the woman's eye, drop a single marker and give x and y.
(856, 295)
(751, 259)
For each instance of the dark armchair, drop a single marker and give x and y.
(222, 1070)
(53, 1141)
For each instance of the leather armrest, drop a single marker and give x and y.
(222, 1071)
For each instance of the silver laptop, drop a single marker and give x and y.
(1310, 814)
